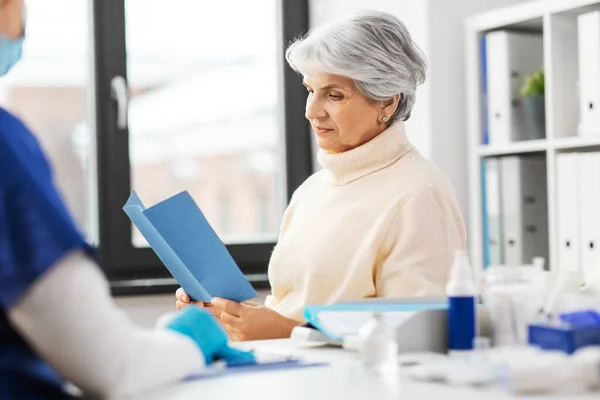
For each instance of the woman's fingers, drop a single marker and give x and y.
(230, 306)
(211, 309)
(230, 323)
(183, 300)
(179, 305)
(229, 319)
(182, 296)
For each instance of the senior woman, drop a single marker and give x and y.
(378, 220)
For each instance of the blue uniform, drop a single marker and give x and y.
(36, 230)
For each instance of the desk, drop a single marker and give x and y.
(340, 380)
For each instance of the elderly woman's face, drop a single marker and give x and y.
(341, 116)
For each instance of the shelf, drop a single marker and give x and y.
(576, 142)
(526, 146)
(558, 22)
(528, 15)
(577, 7)
(525, 16)
(536, 146)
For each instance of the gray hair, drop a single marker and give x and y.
(374, 49)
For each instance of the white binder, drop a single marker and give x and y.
(524, 208)
(493, 211)
(589, 205)
(511, 56)
(588, 26)
(567, 187)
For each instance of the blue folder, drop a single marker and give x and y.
(185, 242)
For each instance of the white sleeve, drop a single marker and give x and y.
(69, 317)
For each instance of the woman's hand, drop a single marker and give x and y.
(251, 321)
(183, 300)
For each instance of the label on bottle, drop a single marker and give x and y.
(461, 322)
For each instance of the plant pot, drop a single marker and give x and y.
(535, 116)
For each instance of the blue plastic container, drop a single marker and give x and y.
(564, 338)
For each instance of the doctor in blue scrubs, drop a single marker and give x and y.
(58, 321)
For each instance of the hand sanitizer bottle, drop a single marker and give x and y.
(461, 304)
(379, 346)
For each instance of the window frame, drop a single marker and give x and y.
(134, 270)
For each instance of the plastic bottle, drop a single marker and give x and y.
(461, 304)
(379, 346)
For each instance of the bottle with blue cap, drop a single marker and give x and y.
(461, 292)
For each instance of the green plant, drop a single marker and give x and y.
(533, 85)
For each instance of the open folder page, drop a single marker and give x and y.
(185, 242)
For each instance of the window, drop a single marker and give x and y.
(224, 205)
(196, 96)
(264, 212)
(203, 104)
(161, 97)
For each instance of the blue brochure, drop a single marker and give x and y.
(185, 242)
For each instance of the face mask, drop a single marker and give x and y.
(10, 50)
(10, 53)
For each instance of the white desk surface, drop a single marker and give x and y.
(340, 380)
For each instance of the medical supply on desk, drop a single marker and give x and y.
(573, 331)
(553, 372)
(378, 345)
(563, 282)
(462, 324)
(421, 323)
(419, 326)
(517, 369)
(513, 295)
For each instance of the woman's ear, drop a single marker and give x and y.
(389, 107)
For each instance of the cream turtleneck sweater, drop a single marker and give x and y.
(377, 221)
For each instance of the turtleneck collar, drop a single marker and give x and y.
(378, 153)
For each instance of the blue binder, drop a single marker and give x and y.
(485, 137)
(185, 242)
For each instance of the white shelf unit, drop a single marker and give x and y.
(557, 20)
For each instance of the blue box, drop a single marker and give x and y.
(563, 338)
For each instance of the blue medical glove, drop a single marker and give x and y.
(234, 357)
(202, 328)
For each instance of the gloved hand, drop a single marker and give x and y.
(203, 329)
